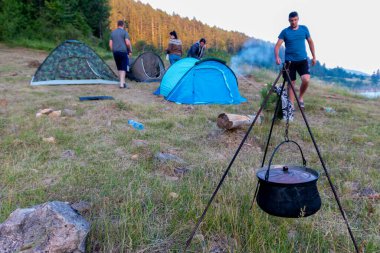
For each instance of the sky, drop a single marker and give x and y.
(346, 33)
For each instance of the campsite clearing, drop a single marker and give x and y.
(133, 208)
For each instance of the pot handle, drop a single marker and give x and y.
(274, 152)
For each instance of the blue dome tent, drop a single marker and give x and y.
(208, 81)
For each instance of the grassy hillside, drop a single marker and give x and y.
(133, 205)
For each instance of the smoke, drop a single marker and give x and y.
(254, 53)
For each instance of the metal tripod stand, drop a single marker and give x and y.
(285, 72)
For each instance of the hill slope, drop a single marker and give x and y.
(131, 193)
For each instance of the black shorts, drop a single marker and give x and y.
(301, 67)
(122, 60)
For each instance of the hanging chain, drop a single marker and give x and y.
(288, 108)
(287, 129)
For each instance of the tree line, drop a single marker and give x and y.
(150, 28)
(92, 21)
(54, 20)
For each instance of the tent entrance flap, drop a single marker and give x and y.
(147, 67)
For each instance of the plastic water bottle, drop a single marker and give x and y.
(136, 125)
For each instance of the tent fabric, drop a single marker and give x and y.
(208, 81)
(73, 62)
(174, 74)
(147, 67)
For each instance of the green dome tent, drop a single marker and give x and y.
(73, 62)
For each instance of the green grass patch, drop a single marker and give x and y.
(131, 193)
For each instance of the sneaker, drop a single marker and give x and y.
(302, 105)
(125, 86)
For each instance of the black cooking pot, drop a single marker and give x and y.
(288, 191)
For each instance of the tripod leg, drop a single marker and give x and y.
(323, 165)
(268, 140)
(188, 242)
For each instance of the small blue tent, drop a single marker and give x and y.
(208, 81)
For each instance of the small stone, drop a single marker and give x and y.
(166, 157)
(120, 152)
(49, 139)
(49, 181)
(67, 154)
(173, 195)
(140, 143)
(169, 178)
(46, 111)
(3, 102)
(68, 112)
(181, 171)
(135, 157)
(55, 114)
(367, 191)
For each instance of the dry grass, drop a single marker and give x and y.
(132, 209)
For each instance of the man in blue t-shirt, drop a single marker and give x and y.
(294, 37)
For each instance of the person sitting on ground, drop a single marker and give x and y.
(121, 47)
(174, 49)
(197, 50)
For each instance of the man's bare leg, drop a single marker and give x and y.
(305, 83)
(290, 92)
(122, 77)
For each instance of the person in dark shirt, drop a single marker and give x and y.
(121, 47)
(197, 50)
(294, 37)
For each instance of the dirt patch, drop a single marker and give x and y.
(34, 64)
(3, 103)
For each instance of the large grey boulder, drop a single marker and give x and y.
(52, 227)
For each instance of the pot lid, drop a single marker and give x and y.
(287, 174)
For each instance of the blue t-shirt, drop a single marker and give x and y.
(295, 49)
